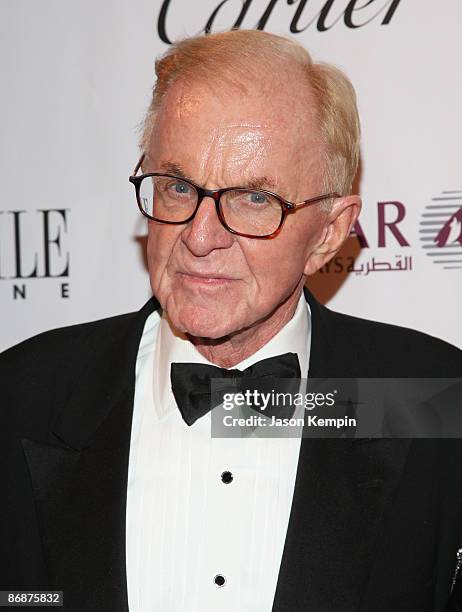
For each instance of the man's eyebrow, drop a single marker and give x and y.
(174, 168)
(259, 182)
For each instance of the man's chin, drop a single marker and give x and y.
(203, 323)
(201, 329)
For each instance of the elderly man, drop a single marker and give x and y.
(117, 494)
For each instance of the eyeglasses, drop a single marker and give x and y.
(246, 212)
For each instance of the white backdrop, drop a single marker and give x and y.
(76, 79)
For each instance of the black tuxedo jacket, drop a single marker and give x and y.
(375, 524)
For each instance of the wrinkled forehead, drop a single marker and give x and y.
(255, 126)
(282, 108)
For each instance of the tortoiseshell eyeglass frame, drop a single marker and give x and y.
(215, 194)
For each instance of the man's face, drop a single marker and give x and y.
(211, 282)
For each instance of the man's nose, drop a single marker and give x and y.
(205, 232)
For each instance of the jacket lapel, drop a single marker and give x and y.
(342, 490)
(80, 483)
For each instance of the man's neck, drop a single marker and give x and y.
(226, 352)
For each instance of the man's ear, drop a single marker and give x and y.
(337, 227)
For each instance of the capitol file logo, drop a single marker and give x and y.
(441, 230)
(34, 247)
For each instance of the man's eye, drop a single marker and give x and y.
(257, 198)
(179, 187)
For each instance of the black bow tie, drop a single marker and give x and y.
(191, 383)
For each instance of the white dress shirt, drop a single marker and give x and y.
(184, 524)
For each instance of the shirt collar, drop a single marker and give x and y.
(172, 346)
